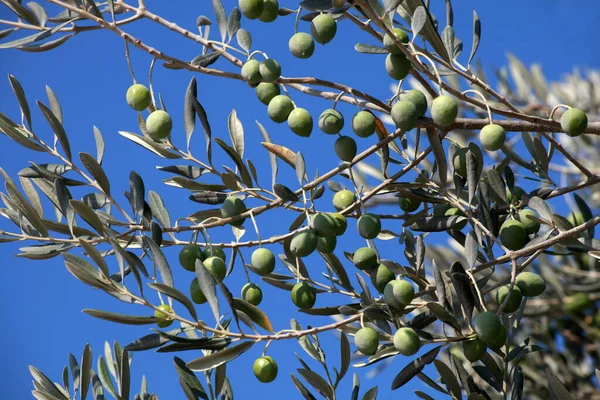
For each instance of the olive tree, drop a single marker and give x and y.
(488, 284)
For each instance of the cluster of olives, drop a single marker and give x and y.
(406, 341)
(158, 123)
(264, 10)
(321, 235)
(322, 28)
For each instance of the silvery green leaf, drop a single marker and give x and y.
(236, 157)
(219, 358)
(204, 60)
(221, 18)
(88, 215)
(497, 184)
(207, 284)
(471, 249)
(541, 207)
(177, 295)
(54, 104)
(448, 378)
(302, 389)
(233, 23)
(272, 156)
(121, 318)
(85, 371)
(21, 12)
(418, 21)
(32, 195)
(300, 167)
(159, 211)
(317, 382)
(124, 377)
(157, 148)
(414, 367)
(26, 208)
(236, 132)
(20, 94)
(476, 37)
(371, 394)
(244, 39)
(160, 261)
(20, 136)
(96, 170)
(187, 377)
(46, 384)
(369, 49)
(137, 190)
(407, 9)
(189, 113)
(448, 37)
(438, 152)
(57, 127)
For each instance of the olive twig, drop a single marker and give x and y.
(484, 100)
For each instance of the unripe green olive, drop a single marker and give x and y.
(252, 293)
(530, 284)
(366, 340)
(302, 45)
(165, 320)
(214, 251)
(417, 98)
(269, 12)
(251, 9)
(489, 328)
(573, 122)
(270, 70)
(514, 298)
(231, 207)
(340, 223)
(513, 235)
(444, 110)
(398, 294)
(514, 195)
(188, 256)
(331, 121)
(196, 293)
(388, 42)
(406, 341)
(492, 137)
(304, 243)
(365, 258)
(138, 97)
(577, 303)
(474, 349)
(323, 28)
(530, 225)
(266, 91)
(323, 224)
(300, 122)
(404, 114)
(343, 199)
(460, 161)
(408, 204)
(345, 148)
(577, 218)
(159, 125)
(251, 72)
(216, 266)
(453, 211)
(380, 276)
(363, 124)
(265, 369)
(262, 261)
(279, 108)
(369, 226)
(326, 244)
(397, 66)
(304, 295)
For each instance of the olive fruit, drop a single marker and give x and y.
(251, 9)
(513, 235)
(514, 298)
(474, 349)
(398, 294)
(213, 251)
(408, 204)
(159, 125)
(216, 266)
(300, 122)
(417, 98)
(138, 97)
(304, 243)
(326, 244)
(397, 66)
(363, 124)
(266, 91)
(252, 294)
(343, 199)
(331, 121)
(323, 28)
(340, 223)
(231, 207)
(453, 211)
(270, 70)
(302, 45)
(323, 224)
(388, 41)
(489, 328)
(165, 320)
(444, 110)
(573, 122)
(345, 148)
(269, 12)
(265, 369)
(304, 295)
(404, 115)
(459, 161)
(380, 277)
(516, 194)
(577, 303)
(196, 293)
(366, 340)
(530, 284)
(368, 226)
(262, 261)
(492, 137)
(439, 210)
(406, 341)
(251, 72)
(530, 225)
(188, 256)
(365, 258)
(279, 108)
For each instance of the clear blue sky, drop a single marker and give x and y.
(43, 322)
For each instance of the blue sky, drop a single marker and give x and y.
(43, 302)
